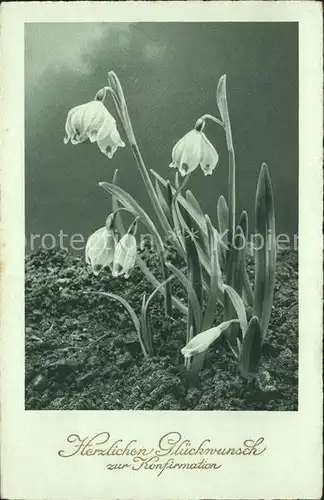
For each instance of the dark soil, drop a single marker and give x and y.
(70, 367)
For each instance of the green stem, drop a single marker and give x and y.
(150, 188)
(231, 191)
(212, 118)
(231, 167)
(168, 289)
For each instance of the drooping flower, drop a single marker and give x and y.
(192, 150)
(100, 249)
(125, 253)
(125, 256)
(94, 122)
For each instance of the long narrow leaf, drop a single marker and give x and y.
(244, 224)
(222, 219)
(191, 293)
(131, 312)
(216, 289)
(265, 254)
(222, 215)
(178, 230)
(251, 350)
(190, 197)
(152, 279)
(168, 289)
(238, 306)
(204, 258)
(248, 295)
(194, 277)
(234, 278)
(115, 207)
(146, 328)
(201, 236)
(199, 218)
(163, 202)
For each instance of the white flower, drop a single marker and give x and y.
(192, 150)
(125, 256)
(94, 122)
(203, 340)
(100, 249)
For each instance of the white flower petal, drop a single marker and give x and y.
(125, 255)
(109, 144)
(203, 340)
(100, 248)
(178, 148)
(209, 156)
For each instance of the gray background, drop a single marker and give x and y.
(169, 73)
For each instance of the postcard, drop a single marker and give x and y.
(161, 250)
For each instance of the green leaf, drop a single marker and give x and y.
(216, 289)
(128, 201)
(234, 278)
(221, 97)
(152, 279)
(197, 229)
(164, 204)
(223, 221)
(190, 197)
(248, 295)
(186, 223)
(146, 329)
(194, 302)
(115, 207)
(131, 312)
(198, 218)
(194, 277)
(265, 255)
(251, 350)
(244, 224)
(238, 306)
(178, 229)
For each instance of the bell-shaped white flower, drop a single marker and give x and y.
(192, 150)
(125, 256)
(94, 122)
(100, 249)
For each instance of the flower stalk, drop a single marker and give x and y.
(221, 98)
